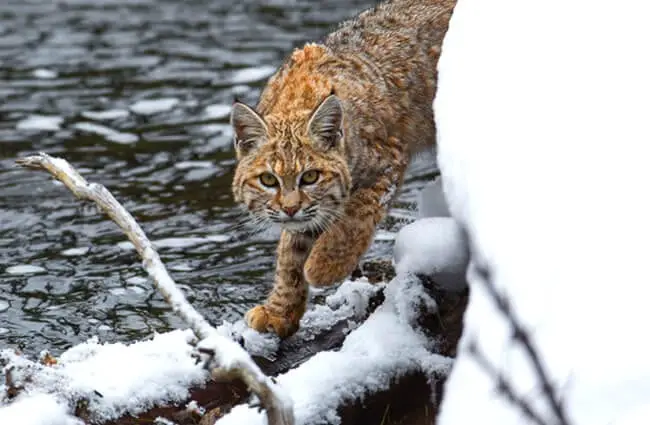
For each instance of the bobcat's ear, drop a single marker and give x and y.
(249, 128)
(326, 123)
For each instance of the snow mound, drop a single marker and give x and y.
(37, 409)
(435, 247)
(543, 133)
(113, 378)
(382, 348)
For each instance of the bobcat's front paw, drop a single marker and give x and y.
(263, 320)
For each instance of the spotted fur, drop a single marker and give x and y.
(351, 110)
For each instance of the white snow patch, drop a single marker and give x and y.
(109, 114)
(75, 252)
(383, 347)
(108, 133)
(37, 409)
(435, 247)
(4, 306)
(161, 369)
(40, 122)
(44, 73)
(154, 106)
(543, 137)
(24, 269)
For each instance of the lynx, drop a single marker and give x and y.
(326, 148)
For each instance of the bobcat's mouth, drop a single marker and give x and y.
(308, 219)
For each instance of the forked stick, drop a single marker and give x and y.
(231, 359)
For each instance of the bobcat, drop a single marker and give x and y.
(325, 150)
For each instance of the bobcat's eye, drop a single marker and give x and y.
(268, 180)
(309, 177)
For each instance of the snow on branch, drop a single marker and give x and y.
(223, 356)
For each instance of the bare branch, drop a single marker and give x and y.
(521, 336)
(226, 357)
(504, 386)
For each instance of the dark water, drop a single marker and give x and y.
(163, 73)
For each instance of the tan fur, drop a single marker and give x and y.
(355, 108)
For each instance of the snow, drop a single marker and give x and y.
(37, 409)
(160, 369)
(385, 346)
(108, 133)
(347, 303)
(4, 306)
(40, 122)
(435, 247)
(542, 115)
(154, 106)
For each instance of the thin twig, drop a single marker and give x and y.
(505, 387)
(226, 357)
(521, 336)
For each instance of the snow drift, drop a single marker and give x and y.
(542, 112)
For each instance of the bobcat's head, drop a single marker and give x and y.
(291, 171)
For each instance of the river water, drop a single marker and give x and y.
(136, 95)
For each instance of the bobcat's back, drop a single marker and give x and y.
(382, 64)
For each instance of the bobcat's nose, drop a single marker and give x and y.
(290, 211)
